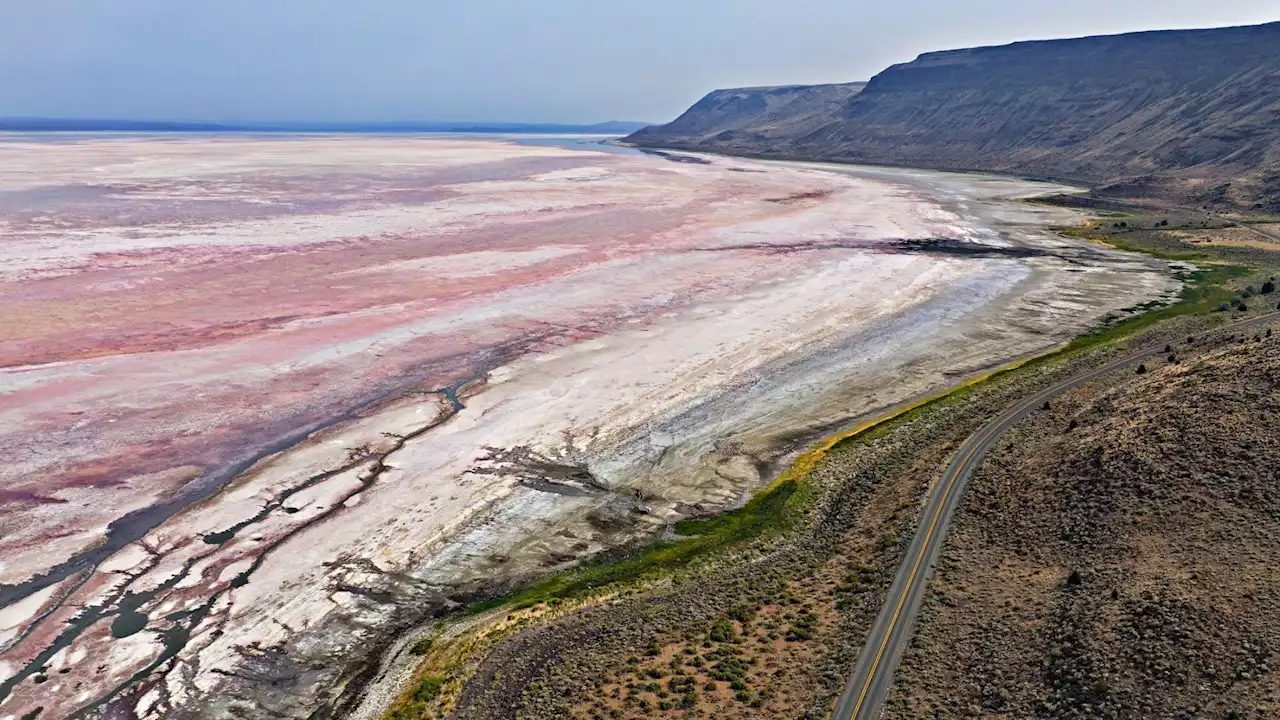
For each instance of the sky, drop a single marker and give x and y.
(500, 60)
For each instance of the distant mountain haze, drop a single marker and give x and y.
(1190, 116)
(39, 124)
(767, 114)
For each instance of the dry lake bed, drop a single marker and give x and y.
(266, 400)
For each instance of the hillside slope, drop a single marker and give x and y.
(1191, 116)
(1116, 556)
(755, 116)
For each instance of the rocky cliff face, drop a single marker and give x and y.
(1190, 116)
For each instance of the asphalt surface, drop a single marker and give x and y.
(1260, 233)
(866, 689)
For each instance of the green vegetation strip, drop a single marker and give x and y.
(776, 508)
(1203, 290)
(769, 512)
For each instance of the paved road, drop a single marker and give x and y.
(1220, 217)
(1265, 235)
(865, 692)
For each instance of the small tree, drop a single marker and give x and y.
(1268, 287)
(1142, 369)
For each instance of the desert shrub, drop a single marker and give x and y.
(722, 632)
(803, 627)
(729, 669)
(742, 613)
(681, 683)
(428, 688)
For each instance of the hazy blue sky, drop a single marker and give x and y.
(534, 60)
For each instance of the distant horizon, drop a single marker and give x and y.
(37, 123)
(89, 122)
(489, 61)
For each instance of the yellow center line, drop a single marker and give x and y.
(924, 549)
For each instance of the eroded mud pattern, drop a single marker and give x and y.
(265, 401)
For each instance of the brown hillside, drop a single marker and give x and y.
(1116, 557)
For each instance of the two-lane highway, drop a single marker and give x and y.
(866, 689)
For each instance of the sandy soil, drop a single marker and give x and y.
(266, 399)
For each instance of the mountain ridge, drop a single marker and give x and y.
(762, 113)
(1191, 116)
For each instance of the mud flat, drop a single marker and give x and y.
(268, 401)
